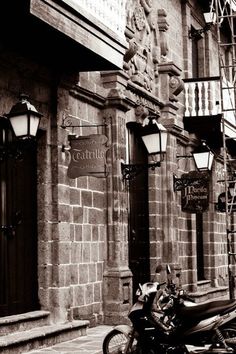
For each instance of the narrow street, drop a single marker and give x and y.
(89, 344)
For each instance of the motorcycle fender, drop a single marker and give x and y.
(126, 329)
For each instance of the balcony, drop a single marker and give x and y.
(95, 29)
(88, 34)
(111, 13)
(204, 112)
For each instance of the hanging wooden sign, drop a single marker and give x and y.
(88, 156)
(195, 197)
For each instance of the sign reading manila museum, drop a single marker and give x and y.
(88, 156)
(195, 197)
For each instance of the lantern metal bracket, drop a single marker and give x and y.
(11, 151)
(180, 183)
(197, 33)
(130, 171)
(15, 149)
(184, 156)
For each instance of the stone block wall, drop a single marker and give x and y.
(83, 249)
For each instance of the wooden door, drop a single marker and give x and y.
(139, 254)
(18, 232)
(200, 247)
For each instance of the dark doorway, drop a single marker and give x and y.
(195, 58)
(200, 250)
(18, 231)
(139, 253)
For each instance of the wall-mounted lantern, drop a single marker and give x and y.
(24, 120)
(210, 19)
(154, 137)
(203, 158)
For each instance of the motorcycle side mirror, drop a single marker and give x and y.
(168, 270)
(139, 290)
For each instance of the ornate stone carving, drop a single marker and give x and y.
(146, 61)
(163, 27)
(176, 85)
(131, 51)
(139, 18)
(139, 59)
(147, 5)
(141, 112)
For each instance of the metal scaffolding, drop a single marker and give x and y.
(226, 17)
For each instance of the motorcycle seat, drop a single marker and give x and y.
(207, 309)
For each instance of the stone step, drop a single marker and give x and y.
(211, 293)
(23, 322)
(203, 285)
(40, 337)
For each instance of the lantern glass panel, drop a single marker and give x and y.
(156, 142)
(210, 17)
(204, 160)
(20, 125)
(152, 143)
(34, 123)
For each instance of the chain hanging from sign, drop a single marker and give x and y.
(87, 152)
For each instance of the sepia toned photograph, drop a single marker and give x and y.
(118, 177)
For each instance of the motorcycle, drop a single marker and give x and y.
(165, 320)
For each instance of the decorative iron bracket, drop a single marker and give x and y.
(180, 183)
(130, 171)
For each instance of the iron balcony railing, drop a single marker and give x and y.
(203, 98)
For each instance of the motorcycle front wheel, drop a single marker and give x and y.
(117, 342)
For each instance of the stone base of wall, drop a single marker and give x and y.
(117, 296)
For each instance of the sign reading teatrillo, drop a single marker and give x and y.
(88, 156)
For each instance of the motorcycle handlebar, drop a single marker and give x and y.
(164, 283)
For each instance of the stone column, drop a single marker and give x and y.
(117, 276)
(167, 210)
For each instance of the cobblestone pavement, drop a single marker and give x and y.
(89, 344)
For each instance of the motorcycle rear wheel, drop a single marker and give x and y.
(229, 334)
(116, 342)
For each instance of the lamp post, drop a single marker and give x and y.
(154, 137)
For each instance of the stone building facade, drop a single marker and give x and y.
(96, 237)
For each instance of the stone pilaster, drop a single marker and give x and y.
(117, 276)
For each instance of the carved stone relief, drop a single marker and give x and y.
(146, 61)
(142, 53)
